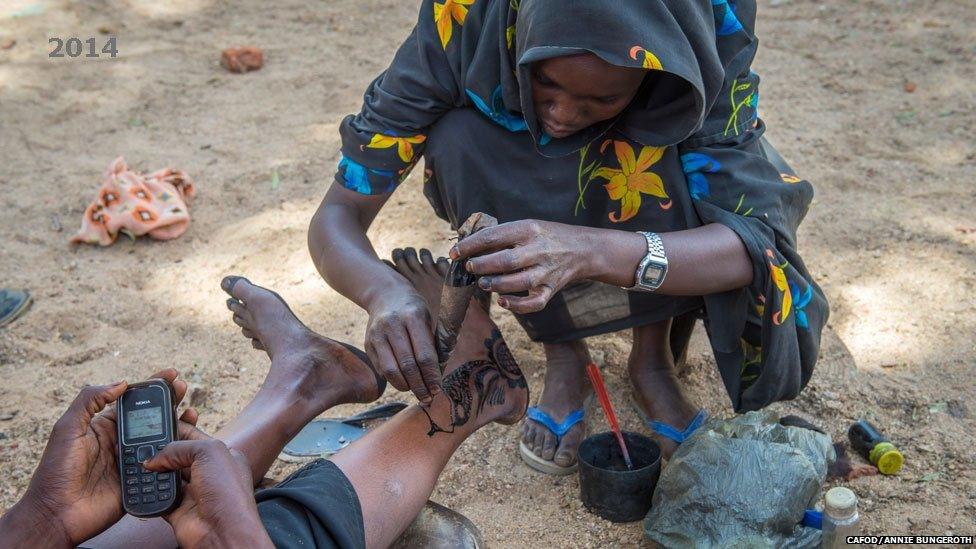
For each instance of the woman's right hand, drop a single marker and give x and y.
(400, 343)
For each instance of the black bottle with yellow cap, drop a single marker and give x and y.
(874, 447)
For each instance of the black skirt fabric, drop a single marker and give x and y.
(510, 181)
(315, 507)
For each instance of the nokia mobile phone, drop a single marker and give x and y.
(146, 423)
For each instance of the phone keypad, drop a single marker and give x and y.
(143, 485)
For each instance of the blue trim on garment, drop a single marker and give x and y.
(695, 165)
(355, 177)
(671, 433)
(497, 111)
(729, 23)
(498, 114)
(800, 302)
(558, 429)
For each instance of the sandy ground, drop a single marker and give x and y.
(890, 236)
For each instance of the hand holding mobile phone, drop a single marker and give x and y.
(146, 424)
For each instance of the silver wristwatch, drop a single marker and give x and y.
(653, 268)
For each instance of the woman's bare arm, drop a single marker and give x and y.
(341, 251)
(399, 336)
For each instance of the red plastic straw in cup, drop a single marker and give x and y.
(601, 393)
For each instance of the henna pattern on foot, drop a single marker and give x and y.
(484, 381)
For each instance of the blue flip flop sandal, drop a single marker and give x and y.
(558, 429)
(667, 431)
(671, 433)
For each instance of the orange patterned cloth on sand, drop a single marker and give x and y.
(136, 204)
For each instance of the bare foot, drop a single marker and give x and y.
(482, 379)
(424, 272)
(316, 367)
(656, 387)
(565, 391)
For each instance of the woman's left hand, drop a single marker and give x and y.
(538, 257)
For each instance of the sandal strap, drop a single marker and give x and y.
(558, 429)
(671, 433)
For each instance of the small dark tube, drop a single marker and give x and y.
(459, 288)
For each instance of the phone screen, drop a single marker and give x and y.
(144, 422)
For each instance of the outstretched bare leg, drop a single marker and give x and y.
(395, 467)
(308, 375)
(400, 461)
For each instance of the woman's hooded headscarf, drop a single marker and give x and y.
(480, 52)
(674, 40)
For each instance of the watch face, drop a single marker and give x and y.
(652, 274)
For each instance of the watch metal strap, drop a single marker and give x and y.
(655, 251)
(655, 246)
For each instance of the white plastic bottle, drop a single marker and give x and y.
(840, 518)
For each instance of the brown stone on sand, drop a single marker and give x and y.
(861, 470)
(241, 60)
(7, 44)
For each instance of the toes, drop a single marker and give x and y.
(539, 440)
(399, 262)
(564, 458)
(257, 345)
(548, 446)
(228, 282)
(427, 260)
(565, 454)
(238, 287)
(410, 256)
(528, 433)
(239, 320)
(248, 333)
(236, 307)
(443, 266)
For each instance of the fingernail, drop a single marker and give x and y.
(468, 266)
(484, 283)
(454, 252)
(502, 302)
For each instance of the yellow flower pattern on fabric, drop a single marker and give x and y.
(444, 12)
(650, 60)
(404, 145)
(632, 179)
(779, 279)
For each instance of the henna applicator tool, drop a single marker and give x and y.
(601, 392)
(459, 287)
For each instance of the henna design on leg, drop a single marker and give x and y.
(483, 380)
